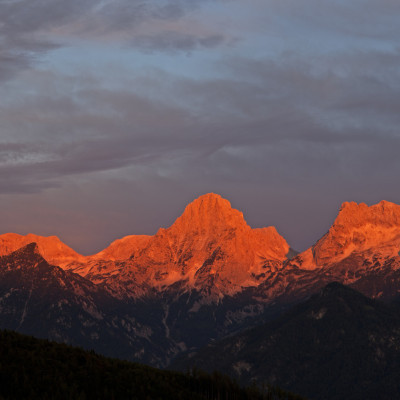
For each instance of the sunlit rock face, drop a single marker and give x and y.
(209, 246)
(51, 248)
(110, 261)
(358, 231)
(122, 249)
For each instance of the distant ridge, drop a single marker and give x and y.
(337, 345)
(51, 247)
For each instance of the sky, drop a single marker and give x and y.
(115, 114)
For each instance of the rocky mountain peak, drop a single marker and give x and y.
(210, 222)
(28, 254)
(209, 212)
(352, 215)
(357, 229)
(209, 246)
(31, 249)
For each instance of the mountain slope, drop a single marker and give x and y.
(111, 261)
(337, 345)
(45, 301)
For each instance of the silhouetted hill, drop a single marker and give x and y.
(38, 369)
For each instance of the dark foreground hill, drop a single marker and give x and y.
(337, 345)
(32, 368)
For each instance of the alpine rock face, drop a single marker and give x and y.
(208, 275)
(358, 229)
(51, 248)
(361, 249)
(210, 249)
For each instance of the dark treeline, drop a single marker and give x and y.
(33, 368)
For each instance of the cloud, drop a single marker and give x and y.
(30, 28)
(171, 41)
(274, 122)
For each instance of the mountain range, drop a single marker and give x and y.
(209, 275)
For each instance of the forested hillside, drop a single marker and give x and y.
(38, 369)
